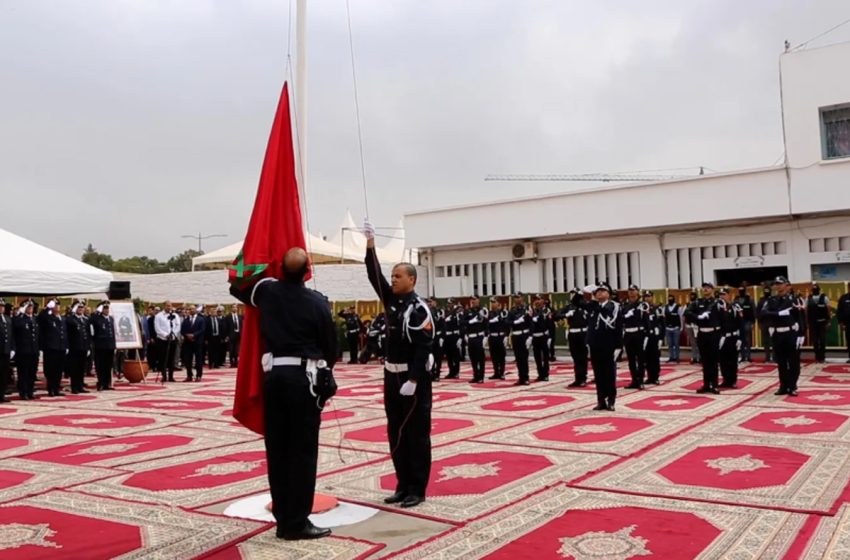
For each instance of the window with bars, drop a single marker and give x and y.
(835, 132)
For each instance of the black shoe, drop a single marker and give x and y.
(187, 380)
(703, 389)
(4, 400)
(793, 393)
(412, 501)
(452, 376)
(714, 390)
(542, 379)
(600, 407)
(32, 397)
(577, 384)
(84, 391)
(309, 531)
(109, 388)
(521, 382)
(610, 408)
(24, 397)
(633, 386)
(780, 392)
(399, 496)
(654, 382)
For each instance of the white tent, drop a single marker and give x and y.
(28, 268)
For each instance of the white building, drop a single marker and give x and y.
(792, 219)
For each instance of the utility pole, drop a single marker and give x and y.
(201, 238)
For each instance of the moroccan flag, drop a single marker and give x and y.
(275, 227)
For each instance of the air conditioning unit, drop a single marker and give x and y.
(524, 251)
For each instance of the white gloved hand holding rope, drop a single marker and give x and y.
(368, 230)
(408, 389)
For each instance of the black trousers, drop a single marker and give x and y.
(452, 356)
(437, 352)
(787, 359)
(765, 341)
(817, 333)
(477, 357)
(54, 360)
(103, 360)
(27, 365)
(193, 354)
(520, 356)
(77, 369)
(215, 352)
(292, 421)
(652, 359)
(409, 433)
(551, 344)
(497, 355)
(540, 346)
(634, 349)
(729, 361)
(5, 373)
(578, 350)
(372, 348)
(710, 353)
(233, 344)
(353, 346)
(166, 350)
(153, 356)
(605, 374)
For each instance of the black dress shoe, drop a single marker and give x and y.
(610, 408)
(577, 384)
(395, 498)
(654, 382)
(632, 386)
(703, 389)
(84, 391)
(793, 393)
(309, 531)
(543, 378)
(714, 390)
(109, 388)
(600, 407)
(412, 501)
(526, 382)
(781, 392)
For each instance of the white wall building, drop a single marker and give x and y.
(792, 219)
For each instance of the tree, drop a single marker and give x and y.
(98, 260)
(183, 261)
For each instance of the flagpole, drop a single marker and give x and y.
(300, 94)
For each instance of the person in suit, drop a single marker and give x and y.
(7, 350)
(214, 338)
(103, 335)
(233, 326)
(55, 348)
(193, 330)
(79, 347)
(25, 331)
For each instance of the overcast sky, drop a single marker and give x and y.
(127, 123)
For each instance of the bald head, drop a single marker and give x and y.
(295, 264)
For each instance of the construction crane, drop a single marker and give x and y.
(633, 176)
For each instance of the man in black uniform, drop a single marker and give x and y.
(407, 379)
(731, 319)
(842, 313)
(452, 340)
(691, 329)
(553, 328)
(764, 326)
(782, 314)
(540, 337)
(79, 347)
(475, 327)
(634, 336)
(439, 338)
(653, 331)
(605, 339)
(25, 332)
(818, 315)
(673, 329)
(103, 329)
(519, 323)
(299, 334)
(748, 320)
(576, 316)
(54, 334)
(353, 325)
(7, 350)
(497, 334)
(704, 313)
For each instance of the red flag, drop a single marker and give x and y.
(275, 227)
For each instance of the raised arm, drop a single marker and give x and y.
(376, 277)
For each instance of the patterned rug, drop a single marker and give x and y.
(266, 546)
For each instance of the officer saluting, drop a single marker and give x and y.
(299, 333)
(25, 331)
(475, 326)
(7, 350)
(605, 339)
(497, 334)
(783, 317)
(407, 379)
(519, 322)
(704, 313)
(55, 347)
(576, 315)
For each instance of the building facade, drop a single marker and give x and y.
(791, 219)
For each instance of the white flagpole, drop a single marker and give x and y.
(301, 93)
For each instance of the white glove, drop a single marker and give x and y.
(440, 342)
(88, 353)
(528, 343)
(616, 354)
(66, 351)
(800, 340)
(408, 389)
(459, 344)
(659, 344)
(505, 342)
(368, 230)
(548, 342)
(784, 313)
(738, 345)
(486, 343)
(722, 340)
(430, 364)
(589, 289)
(629, 314)
(12, 355)
(704, 315)
(570, 313)
(645, 342)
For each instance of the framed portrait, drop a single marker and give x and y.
(128, 333)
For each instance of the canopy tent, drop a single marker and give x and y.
(27, 268)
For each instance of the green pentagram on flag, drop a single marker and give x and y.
(240, 273)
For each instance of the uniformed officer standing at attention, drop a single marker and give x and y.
(654, 333)
(745, 302)
(784, 318)
(497, 334)
(353, 326)
(731, 319)
(519, 322)
(634, 336)
(79, 347)
(552, 327)
(439, 338)
(299, 332)
(576, 315)
(605, 339)
(705, 314)
(7, 350)
(451, 342)
(25, 331)
(672, 329)
(55, 347)
(842, 313)
(475, 327)
(764, 325)
(818, 314)
(103, 335)
(540, 319)
(407, 379)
